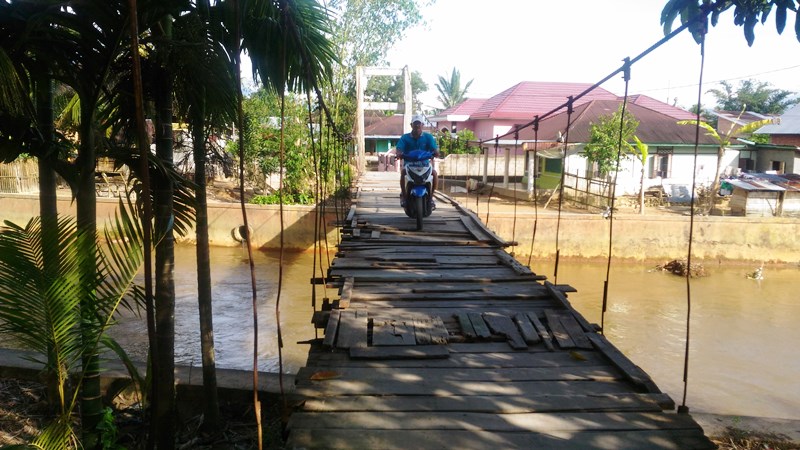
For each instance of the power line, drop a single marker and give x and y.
(719, 81)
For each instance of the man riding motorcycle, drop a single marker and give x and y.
(417, 140)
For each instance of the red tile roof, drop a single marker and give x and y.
(467, 107)
(529, 98)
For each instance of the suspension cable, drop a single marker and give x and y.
(627, 77)
(561, 185)
(535, 192)
(683, 408)
(514, 189)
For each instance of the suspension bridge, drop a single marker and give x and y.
(441, 339)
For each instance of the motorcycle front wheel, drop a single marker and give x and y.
(419, 210)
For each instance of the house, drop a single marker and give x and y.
(381, 132)
(671, 147)
(782, 154)
(730, 121)
(765, 195)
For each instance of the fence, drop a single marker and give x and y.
(587, 193)
(19, 177)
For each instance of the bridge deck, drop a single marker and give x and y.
(440, 339)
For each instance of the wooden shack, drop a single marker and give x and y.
(756, 198)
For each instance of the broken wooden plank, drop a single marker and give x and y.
(558, 330)
(466, 326)
(526, 329)
(347, 293)
(439, 332)
(502, 325)
(422, 330)
(331, 329)
(416, 352)
(575, 331)
(559, 295)
(392, 332)
(481, 330)
(352, 330)
(540, 328)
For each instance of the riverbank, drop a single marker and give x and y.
(662, 234)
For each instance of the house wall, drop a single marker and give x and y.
(789, 158)
(785, 139)
(485, 129)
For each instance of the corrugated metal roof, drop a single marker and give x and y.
(529, 98)
(379, 126)
(655, 127)
(789, 123)
(755, 185)
(664, 108)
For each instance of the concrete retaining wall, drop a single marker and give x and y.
(636, 237)
(224, 219)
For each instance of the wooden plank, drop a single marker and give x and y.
(444, 388)
(508, 374)
(540, 328)
(634, 373)
(524, 422)
(352, 330)
(376, 234)
(356, 231)
(481, 330)
(463, 360)
(477, 439)
(331, 328)
(526, 328)
(466, 325)
(502, 325)
(422, 330)
(477, 232)
(416, 352)
(575, 331)
(347, 293)
(511, 262)
(392, 332)
(489, 404)
(558, 330)
(559, 295)
(439, 334)
(351, 214)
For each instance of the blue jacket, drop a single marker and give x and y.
(426, 141)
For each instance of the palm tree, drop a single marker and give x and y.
(450, 91)
(42, 307)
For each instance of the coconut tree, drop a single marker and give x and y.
(450, 91)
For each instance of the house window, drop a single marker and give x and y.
(747, 165)
(662, 163)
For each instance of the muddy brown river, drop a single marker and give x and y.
(744, 358)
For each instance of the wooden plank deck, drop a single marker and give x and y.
(440, 339)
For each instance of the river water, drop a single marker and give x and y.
(744, 333)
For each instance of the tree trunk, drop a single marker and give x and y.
(164, 413)
(641, 192)
(204, 297)
(48, 208)
(86, 201)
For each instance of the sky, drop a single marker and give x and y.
(499, 43)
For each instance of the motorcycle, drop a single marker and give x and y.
(419, 184)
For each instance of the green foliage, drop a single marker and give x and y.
(41, 307)
(262, 136)
(746, 13)
(450, 91)
(460, 145)
(604, 141)
(288, 198)
(390, 89)
(363, 33)
(753, 95)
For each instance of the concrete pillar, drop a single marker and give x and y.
(507, 155)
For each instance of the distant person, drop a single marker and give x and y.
(417, 140)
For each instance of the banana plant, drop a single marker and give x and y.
(42, 308)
